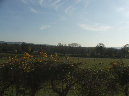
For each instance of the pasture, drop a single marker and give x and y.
(98, 62)
(88, 62)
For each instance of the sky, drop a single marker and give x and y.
(86, 22)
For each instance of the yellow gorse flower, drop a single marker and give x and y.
(28, 64)
(51, 56)
(43, 54)
(27, 55)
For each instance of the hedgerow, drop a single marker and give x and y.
(30, 74)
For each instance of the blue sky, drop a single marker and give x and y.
(87, 22)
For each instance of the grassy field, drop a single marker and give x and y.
(98, 62)
(95, 62)
(5, 56)
(88, 62)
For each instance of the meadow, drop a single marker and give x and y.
(89, 62)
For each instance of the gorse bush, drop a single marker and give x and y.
(32, 72)
(29, 74)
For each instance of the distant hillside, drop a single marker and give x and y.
(11, 42)
(1, 41)
(115, 47)
(24, 42)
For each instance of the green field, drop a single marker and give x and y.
(98, 62)
(4, 57)
(88, 62)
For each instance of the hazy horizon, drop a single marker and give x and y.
(118, 47)
(86, 22)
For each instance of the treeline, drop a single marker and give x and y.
(74, 49)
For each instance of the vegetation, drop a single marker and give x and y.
(72, 50)
(29, 75)
(59, 74)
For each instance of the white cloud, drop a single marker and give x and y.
(33, 1)
(50, 3)
(124, 11)
(24, 1)
(44, 27)
(62, 18)
(41, 2)
(78, 1)
(57, 1)
(69, 10)
(123, 28)
(58, 6)
(120, 9)
(94, 28)
(33, 10)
